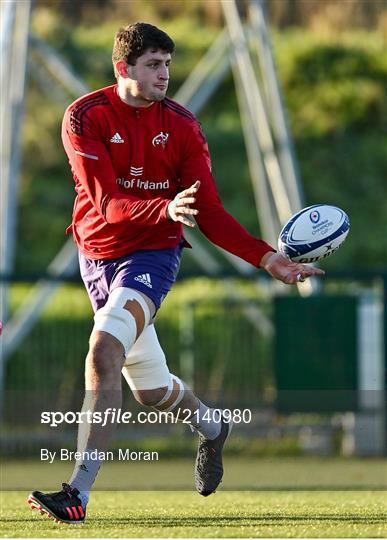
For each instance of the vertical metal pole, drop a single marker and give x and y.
(286, 154)
(263, 201)
(13, 71)
(15, 29)
(8, 11)
(256, 109)
(369, 420)
(384, 334)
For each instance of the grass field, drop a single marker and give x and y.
(225, 514)
(285, 497)
(241, 474)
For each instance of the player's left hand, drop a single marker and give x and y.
(287, 271)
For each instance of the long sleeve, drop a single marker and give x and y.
(213, 220)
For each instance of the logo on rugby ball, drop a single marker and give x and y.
(314, 216)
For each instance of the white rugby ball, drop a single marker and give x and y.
(314, 233)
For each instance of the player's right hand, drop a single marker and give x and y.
(180, 208)
(287, 271)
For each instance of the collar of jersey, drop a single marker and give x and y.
(129, 109)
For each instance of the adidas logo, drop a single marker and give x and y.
(145, 279)
(116, 138)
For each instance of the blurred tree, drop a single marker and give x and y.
(75, 11)
(333, 14)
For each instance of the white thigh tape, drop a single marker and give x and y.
(118, 321)
(121, 295)
(146, 367)
(173, 396)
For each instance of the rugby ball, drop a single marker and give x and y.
(314, 233)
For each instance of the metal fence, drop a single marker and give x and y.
(213, 344)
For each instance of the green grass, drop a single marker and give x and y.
(228, 514)
(268, 497)
(241, 474)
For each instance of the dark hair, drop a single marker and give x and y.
(132, 41)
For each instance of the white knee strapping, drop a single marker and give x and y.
(173, 396)
(146, 367)
(118, 321)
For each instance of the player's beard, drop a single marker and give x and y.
(151, 93)
(157, 95)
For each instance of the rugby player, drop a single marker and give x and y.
(142, 170)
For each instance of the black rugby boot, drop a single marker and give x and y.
(209, 465)
(63, 506)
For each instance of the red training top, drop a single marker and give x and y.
(128, 164)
